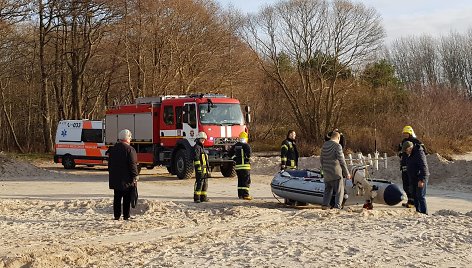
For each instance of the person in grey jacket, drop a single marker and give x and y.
(334, 170)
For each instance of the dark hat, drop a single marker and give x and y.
(406, 145)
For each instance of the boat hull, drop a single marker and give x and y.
(307, 186)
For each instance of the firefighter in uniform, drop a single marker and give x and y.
(289, 152)
(409, 135)
(201, 169)
(241, 154)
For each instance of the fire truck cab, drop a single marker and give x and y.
(164, 130)
(79, 142)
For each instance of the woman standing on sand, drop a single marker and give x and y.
(418, 174)
(409, 135)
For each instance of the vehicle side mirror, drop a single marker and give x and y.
(247, 109)
(248, 118)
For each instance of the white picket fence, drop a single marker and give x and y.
(368, 160)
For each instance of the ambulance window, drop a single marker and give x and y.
(178, 117)
(169, 115)
(92, 135)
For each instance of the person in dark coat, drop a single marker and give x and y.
(202, 169)
(123, 173)
(289, 152)
(418, 174)
(241, 154)
(409, 135)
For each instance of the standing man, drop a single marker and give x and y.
(201, 169)
(418, 174)
(334, 170)
(123, 173)
(408, 135)
(241, 154)
(289, 152)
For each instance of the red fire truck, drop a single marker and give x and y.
(164, 130)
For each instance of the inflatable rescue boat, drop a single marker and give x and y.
(307, 186)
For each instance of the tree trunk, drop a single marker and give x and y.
(10, 124)
(45, 109)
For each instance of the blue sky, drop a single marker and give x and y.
(400, 17)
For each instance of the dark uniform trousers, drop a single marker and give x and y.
(244, 182)
(241, 154)
(201, 186)
(126, 196)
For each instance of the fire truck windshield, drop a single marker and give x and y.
(220, 114)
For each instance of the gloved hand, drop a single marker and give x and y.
(282, 167)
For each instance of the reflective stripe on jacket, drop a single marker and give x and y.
(241, 154)
(289, 154)
(200, 160)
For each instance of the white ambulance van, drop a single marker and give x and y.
(80, 142)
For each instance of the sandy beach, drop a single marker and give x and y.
(51, 217)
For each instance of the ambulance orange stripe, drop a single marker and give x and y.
(86, 146)
(70, 146)
(87, 124)
(88, 161)
(91, 149)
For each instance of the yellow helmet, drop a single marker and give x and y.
(408, 130)
(243, 135)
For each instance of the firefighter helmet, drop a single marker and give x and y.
(243, 135)
(202, 135)
(408, 130)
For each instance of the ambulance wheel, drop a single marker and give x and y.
(227, 170)
(183, 165)
(68, 162)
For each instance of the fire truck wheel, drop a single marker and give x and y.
(227, 170)
(183, 165)
(68, 162)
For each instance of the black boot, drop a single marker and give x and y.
(204, 198)
(196, 198)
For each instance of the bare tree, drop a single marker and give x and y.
(425, 62)
(307, 47)
(84, 23)
(47, 12)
